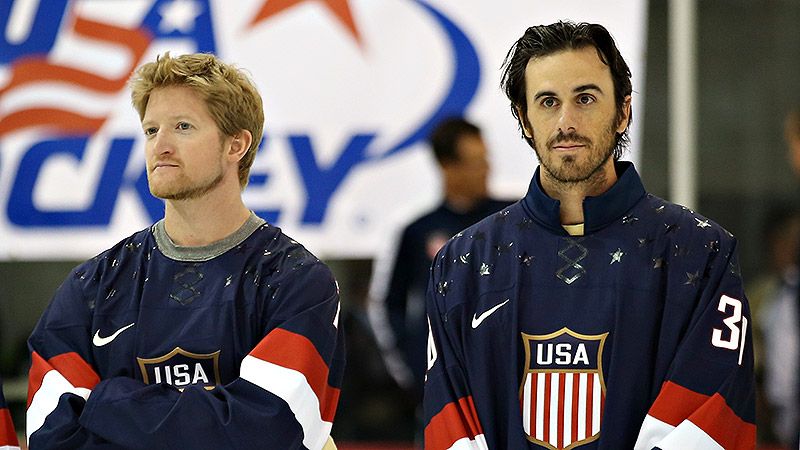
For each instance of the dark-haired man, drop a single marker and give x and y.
(397, 291)
(590, 314)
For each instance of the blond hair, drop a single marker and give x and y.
(229, 94)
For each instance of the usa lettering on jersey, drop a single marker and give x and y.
(182, 369)
(562, 391)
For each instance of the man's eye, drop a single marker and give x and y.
(549, 102)
(183, 126)
(150, 131)
(586, 99)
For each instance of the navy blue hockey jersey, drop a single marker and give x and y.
(635, 335)
(152, 345)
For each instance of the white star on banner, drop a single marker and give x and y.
(179, 15)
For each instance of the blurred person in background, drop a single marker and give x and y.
(400, 278)
(591, 313)
(211, 329)
(781, 326)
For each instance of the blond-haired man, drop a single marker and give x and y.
(209, 329)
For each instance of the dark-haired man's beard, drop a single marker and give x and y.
(580, 166)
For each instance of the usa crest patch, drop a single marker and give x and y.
(182, 369)
(562, 393)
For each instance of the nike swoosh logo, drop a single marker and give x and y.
(101, 341)
(476, 320)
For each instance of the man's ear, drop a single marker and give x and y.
(240, 143)
(523, 123)
(625, 117)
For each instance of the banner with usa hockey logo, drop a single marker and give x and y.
(562, 392)
(351, 90)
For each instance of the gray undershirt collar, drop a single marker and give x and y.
(205, 252)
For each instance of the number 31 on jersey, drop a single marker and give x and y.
(733, 338)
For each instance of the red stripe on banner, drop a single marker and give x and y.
(135, 39)
(561, 393)
(589, 403)
(576, 381)
(720, 422)
(547, 382)
(56, 119)
(455, 421)
(70, 365)
(296, 352)
(7, 434)
(31, 70)
(674, 403)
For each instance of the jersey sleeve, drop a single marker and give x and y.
(708, 398)
(8, 436)
(451, 420)
(285, 397)
(388, 296)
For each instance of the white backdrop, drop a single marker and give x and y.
(350, 87)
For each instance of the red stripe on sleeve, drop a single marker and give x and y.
(455, 421)
(70, 365)
(675, 403)
(719, 421)
(77, 371)
(7, 434)
(35, 376)
(297, 352)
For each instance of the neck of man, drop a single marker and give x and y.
(206, 219)
(572, 194)
(461, 203)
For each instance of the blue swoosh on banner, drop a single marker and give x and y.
(466, 78)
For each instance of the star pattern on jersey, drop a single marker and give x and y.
(712, 246)
(702, 223)
(643, 241)
(627, 220)
(525, 259)
(479, 236)
(500, 249)
(692, 278)
(525, 224)
(671, 227)
(616, 256)
(465, 258)
(660, 209)
(659, 263)
(485, 269)
(443, 287)
(501, 216)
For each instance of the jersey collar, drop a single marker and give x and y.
(598, 212)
